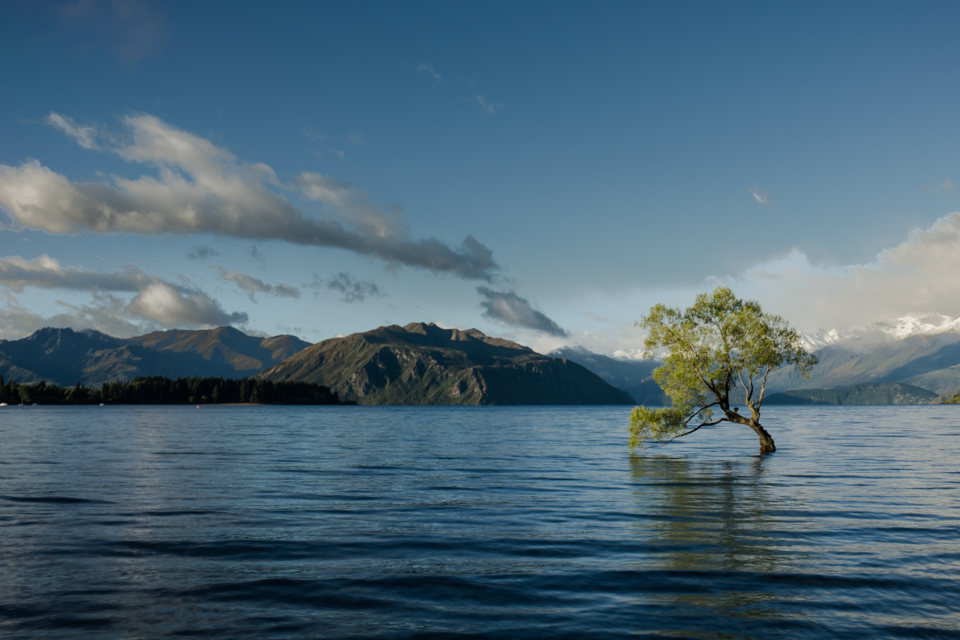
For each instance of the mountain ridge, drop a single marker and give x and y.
(422, 363)
(66, 357)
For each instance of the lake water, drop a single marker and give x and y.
(432, 522)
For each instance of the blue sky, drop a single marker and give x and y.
(606, 157)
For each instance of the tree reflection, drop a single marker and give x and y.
(711, 532)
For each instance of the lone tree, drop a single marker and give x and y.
(709, 349)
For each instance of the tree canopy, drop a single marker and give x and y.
(719, 345)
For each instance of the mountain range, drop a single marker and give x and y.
(919, 350)
(67, 357)
(426, 364)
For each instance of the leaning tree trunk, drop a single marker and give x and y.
(766, 440)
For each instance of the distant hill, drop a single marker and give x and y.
(65, 357)
(886, 393)
(920, 351)
(623, 374)
(424, 364)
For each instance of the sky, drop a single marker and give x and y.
(544, 172)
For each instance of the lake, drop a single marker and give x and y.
(477, 522)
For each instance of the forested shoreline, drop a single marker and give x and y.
(161, 390)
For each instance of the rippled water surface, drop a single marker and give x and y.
(396, 522)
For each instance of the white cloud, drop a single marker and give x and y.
(167, 304)
(488, 107)
(253, 286)
(201, 188)
(164, 304)
(759, 196)
(920, 275)
(45, 272)
(337, 152)
(428, 69)
(354, 206)
(84, 135)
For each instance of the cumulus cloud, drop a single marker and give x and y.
(509, 309)
(488, 107)
(347, 287)
(201, 252)
(84, 135)
(253, 286)
(165, 303)
(428, 69)
(920, 275)
(202, 188)
(759, 196)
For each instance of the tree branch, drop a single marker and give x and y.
(763, 387)
(696, 428)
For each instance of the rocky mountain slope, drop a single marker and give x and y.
(425, 364)
(65, 356)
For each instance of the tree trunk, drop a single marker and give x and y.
(766, 440)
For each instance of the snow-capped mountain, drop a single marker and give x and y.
(914, 324)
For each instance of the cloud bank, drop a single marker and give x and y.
(920, 275)
(157, 301)
(507, 308)
(202, 188)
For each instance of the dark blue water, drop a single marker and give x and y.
(475, 522)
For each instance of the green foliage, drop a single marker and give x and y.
(708, 349)
(160, 390)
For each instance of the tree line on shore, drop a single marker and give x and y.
(161, 390)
